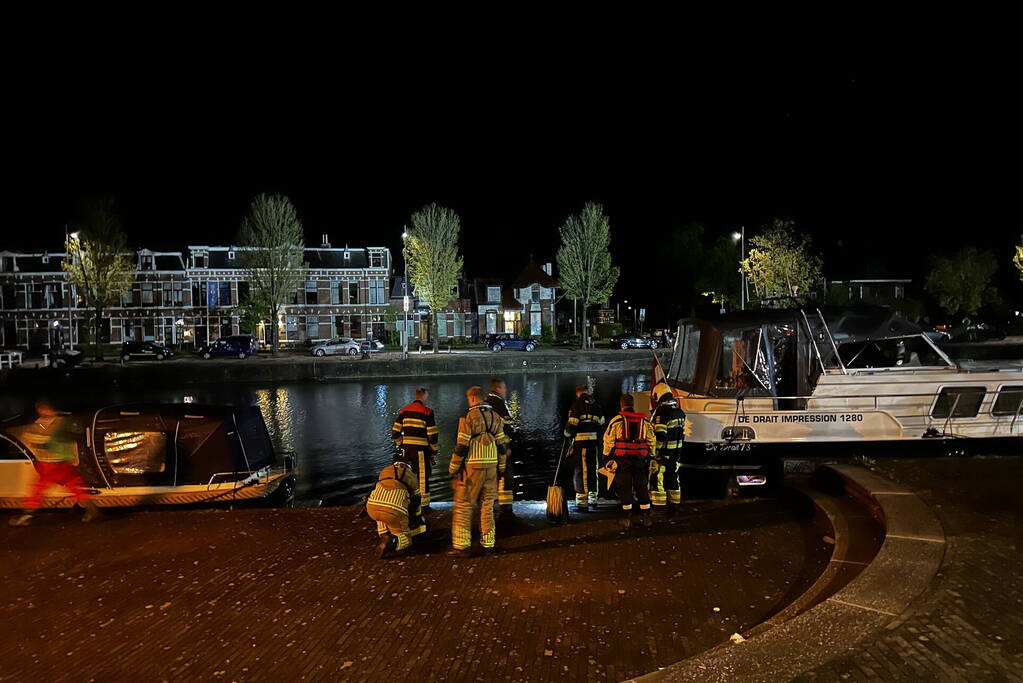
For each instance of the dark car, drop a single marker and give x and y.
(633, 341)
(240, 346)
(64, 359)
(975, 332)
(498, 342)
(144, 350)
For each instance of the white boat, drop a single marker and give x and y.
(758, 385)
(141, 455)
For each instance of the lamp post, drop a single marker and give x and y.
(67, 278)
(404, 298)
(740, 237)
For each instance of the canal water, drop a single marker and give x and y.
(340, 431)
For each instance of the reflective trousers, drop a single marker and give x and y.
(418, 459)
(584, 465)
(391, 521)
(664, 486)
(506, 485)
(60, 473)
(475, 489)
(632, 482)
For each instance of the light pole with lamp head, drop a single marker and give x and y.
(68, 236)
(740, 237)
(404, 298)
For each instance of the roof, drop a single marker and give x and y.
(533, 273)
(168, 262)
(854, 322)
(319, 257)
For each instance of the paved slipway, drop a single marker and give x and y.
(297, 595)
(968, 624)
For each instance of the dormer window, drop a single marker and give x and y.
(230, 255)
(198, 259)
(147, 262)
(348, 255)
(46, 258)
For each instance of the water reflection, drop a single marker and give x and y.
(340, 432)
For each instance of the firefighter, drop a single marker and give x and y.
(506, 484)
(52, 440)
(396, 506)
(629, 443)
(479, 457)
(669, 427)
(585, 419)
(415, 435)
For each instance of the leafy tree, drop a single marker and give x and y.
(584, 260)
(781, 264)
(962, 282)
(98, 264)
(252, 311)
(432, 260)
(1018, 260)
(273, 260)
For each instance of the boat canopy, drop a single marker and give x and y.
(782, 352)
(158, 445)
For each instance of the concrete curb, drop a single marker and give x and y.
(879, 596)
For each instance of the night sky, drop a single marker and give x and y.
(883, 159)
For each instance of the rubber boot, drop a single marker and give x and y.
(648, 520)
(626, 521)
(23, 519)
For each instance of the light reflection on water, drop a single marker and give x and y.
(340, 432)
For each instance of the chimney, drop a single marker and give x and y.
(547, 268)
(326, 241)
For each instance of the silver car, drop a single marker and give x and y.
(342, 345)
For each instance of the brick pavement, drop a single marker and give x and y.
(297, 595)
(968, 626)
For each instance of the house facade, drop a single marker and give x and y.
(188, 298)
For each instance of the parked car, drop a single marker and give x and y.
(371, 345)
(144, 350)
(337, 345)
(64, 359)
(633, 341)
(240, 346)
(499, 342)
(975, 332)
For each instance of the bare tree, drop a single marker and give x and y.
(98, 264)
(273, 261)
(432, 259)
(584, 260)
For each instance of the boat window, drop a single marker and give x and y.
(744, 364)
(1009, 401)
(683, 360)
(10, 451)
(136, 452)
(965, 400)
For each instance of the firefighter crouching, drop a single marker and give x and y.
(669, 427)
(478, 459)
(629, 443)
(415, 436)
(585, 419)
(506, 482)
(396, 507)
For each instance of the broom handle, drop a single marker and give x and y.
(561, 456)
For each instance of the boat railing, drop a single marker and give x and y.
(835, 398)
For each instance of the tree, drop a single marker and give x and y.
(98, 264)
(252, 311)
(273, 261)
(781, 264)
(432, 260)
(962, 282)
(584, 260)
(1018, 260)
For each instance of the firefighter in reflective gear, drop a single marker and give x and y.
(396, 507)
(669, 427)
(629, 442)
(506, 483)
(415, 435)
(585, 420)
(478, 459)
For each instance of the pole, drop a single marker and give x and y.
(742, 253)
(67, 281)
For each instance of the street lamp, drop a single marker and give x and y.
(404, 298)
(740, 237)
(68, 236)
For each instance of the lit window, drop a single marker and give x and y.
(136, 452)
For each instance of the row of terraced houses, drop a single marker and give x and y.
(187, 298)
